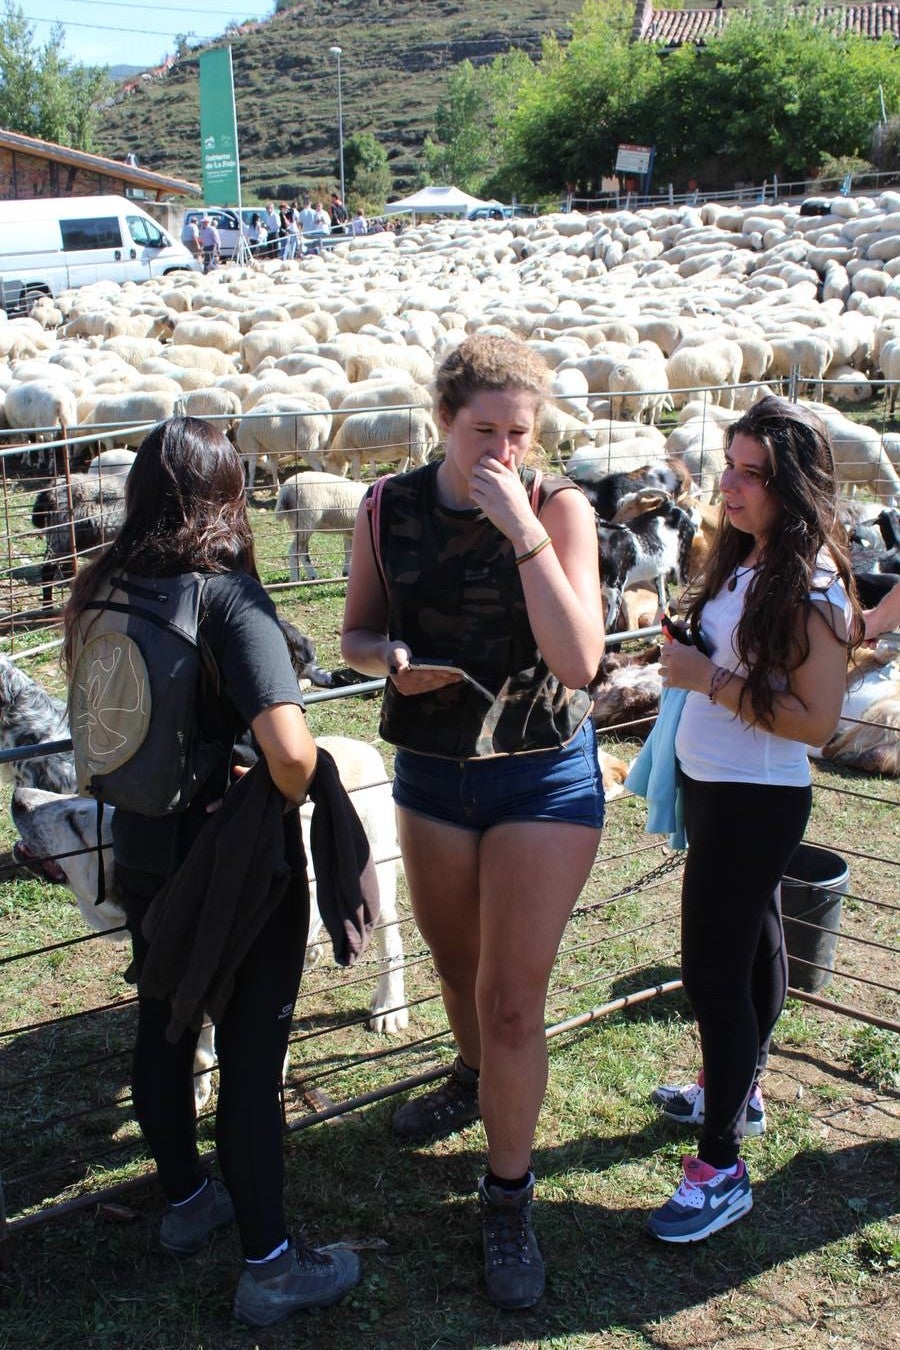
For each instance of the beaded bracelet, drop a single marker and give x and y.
(533, 552)
(720, 678)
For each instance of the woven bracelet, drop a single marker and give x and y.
(720, 678)
(533, 552)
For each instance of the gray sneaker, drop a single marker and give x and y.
(301, 1277)
(186, 1229)
(447, 1108)
(513, 1265)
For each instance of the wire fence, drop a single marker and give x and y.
(68, 1136)
(59, 506)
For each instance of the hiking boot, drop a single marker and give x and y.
(447, 1108)
(687, 1105)
(513, 1265)
(186, 1229)
(706, 1201)
(301, 1277)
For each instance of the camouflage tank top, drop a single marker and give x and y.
(455, 596)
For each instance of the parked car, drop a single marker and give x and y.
(225, 221)
(490, 213)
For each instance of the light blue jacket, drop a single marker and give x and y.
(654, 773)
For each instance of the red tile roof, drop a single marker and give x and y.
(673, 27)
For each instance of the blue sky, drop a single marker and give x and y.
(128, 32)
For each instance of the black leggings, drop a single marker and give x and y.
(734, 966)
(251, 1042)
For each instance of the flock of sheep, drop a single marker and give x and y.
(324, 365)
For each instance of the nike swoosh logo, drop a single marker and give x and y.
(716, 1201)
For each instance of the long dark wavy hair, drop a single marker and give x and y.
(769, 641)
(185, 511)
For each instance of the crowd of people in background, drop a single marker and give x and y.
(291, 229)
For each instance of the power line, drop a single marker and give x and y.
(117, 28)
(215, 13)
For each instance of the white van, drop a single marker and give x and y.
(53, 243)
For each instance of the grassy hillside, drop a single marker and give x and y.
(396, 54)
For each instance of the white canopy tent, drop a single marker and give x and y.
(436, 201)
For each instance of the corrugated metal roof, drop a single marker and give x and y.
(674, 27)
(113, 168)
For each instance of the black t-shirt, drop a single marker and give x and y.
(240, 627)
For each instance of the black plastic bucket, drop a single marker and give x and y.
(811, 891)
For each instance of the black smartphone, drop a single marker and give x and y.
(677, 631)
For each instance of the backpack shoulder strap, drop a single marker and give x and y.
(536, 492)
(373, 508)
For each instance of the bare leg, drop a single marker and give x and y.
(530, 876)
(441, 863)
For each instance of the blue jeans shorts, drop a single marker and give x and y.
(474, 794)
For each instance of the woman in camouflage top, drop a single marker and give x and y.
(496, 782)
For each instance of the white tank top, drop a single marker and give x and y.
(712, 744)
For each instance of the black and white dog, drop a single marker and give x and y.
(31, 716)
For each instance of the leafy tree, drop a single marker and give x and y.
(583, 102)
(42, 93)
(366, 173)
(771, 93)
(471, 120)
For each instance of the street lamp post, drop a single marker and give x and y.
(336, 53)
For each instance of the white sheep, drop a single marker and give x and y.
(312, 501)
(277, 339)
(198, 331)
(400, 389)
(889, 361)
(217, 362)
(119, 413)
(132, 350)
(715, 363)
(386, 436)
(860, 456)
(807, 354)
(220, 404)
(49, 404)
(112, 463)
(639, 389)
(284, 426)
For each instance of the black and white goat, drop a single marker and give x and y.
(654, 545)
(875, 555)
(609, 493)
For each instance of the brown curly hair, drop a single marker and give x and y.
(487, 364)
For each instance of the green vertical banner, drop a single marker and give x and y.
(218, 130)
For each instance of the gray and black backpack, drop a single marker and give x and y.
(133, 694)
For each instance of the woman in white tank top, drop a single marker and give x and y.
(777, 612)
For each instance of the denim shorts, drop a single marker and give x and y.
(475, 794)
